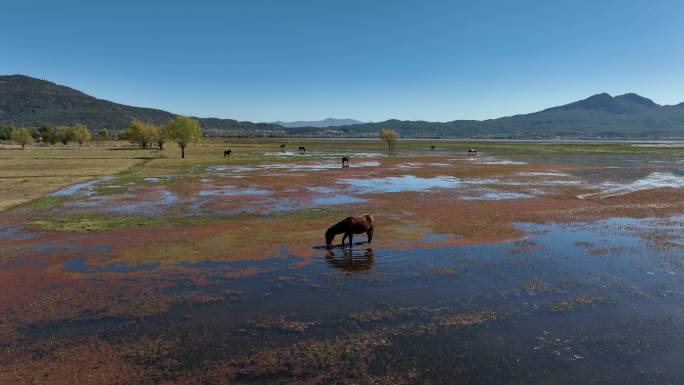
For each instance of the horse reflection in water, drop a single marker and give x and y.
(351, 261)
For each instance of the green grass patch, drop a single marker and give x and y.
(48, 202)
(110, 190)
(96, 222)
(99, 221)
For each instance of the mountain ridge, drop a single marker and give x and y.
(31, 102)
(328, 122)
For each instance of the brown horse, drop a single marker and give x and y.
(302, 149)
(227, 153)
(282, 147)
(350, 226)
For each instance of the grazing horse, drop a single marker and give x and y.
(302, 149)
(345, 162)
(227, 153)
(282, 147)
(350, 226)
(472, 151)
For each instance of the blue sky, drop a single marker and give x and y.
(265, 60)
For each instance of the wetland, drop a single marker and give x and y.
(530, 263)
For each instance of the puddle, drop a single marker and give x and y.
(292, 166)
(234, 191)
(517, 182)
(154, 179)
(400, 184)
(285, 154)
(416, 165)
(83, 188)
(323, 190)
(336, 200)
(493, 195)
(79, 265)
(436, 237)
(545, 174)
(17, 234)
(652, 181)
(494, 161)
(168, 198)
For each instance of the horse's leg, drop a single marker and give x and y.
(344, 237)
(370, 235)
(351, 242)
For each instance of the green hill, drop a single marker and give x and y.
(31, 102)
(26, 101)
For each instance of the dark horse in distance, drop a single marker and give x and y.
(350, 226)
(345, 161)
(227, 153)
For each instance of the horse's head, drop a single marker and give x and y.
(329, 236)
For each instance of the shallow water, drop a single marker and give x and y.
(304, 166)
(577, 303)
(597, 303)
(83, 188)
(394, 184)
(493, 195)
(232, 191)
(336, 199)
(652, 181)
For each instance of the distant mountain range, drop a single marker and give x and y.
(26, 101)
(31, 102)
(330, 122)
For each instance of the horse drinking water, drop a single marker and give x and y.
(350, 226)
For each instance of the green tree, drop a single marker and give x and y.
(22, 136)
(35, 134)
(390, 137)
(184, 130)
(64, 134)
(161, 135)
(6, 131)
(48, 134)
(141, 133)
(103, 134)
(80, 133)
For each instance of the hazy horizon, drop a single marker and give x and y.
(267, 61)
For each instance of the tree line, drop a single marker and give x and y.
(182, 130)
(46, 134)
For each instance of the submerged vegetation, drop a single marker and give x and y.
(483, 269)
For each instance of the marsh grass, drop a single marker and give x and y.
(39, 170)
(97, 221)
(48, 202)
